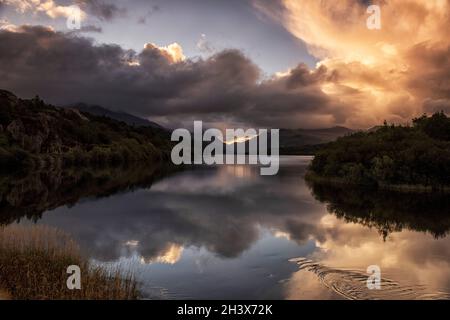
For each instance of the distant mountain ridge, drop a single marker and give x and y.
(119, 116)
(303, 141)
(301, 137)
(309, 141)
(292, 141)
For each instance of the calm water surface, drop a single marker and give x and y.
(227, 232)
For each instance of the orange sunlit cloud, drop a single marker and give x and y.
(389, 73)
(173, 52)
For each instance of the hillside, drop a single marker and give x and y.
(308, 141)
(119, 116)
(292, 141)
(304, 141)
(36, 134)
(412, 158)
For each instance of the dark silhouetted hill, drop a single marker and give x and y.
(36, 134)
(119, 116)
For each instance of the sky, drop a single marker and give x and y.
(200, 27)
(259, 63)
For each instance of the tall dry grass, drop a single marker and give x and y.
(34, 261)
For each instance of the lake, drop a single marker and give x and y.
(226, 232)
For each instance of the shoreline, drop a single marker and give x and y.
(403, 188)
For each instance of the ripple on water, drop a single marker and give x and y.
(352, 284)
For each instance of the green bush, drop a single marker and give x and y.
(418, 155)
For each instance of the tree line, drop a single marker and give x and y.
(416, 154)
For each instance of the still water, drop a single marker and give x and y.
(228, 233)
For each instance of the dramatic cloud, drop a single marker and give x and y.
(393, 73)
(150, 12)
(204, 46)
(48, 7)
(88, 29)
(173, 52)
(103, 10)
(363, 76)
(3, 23)
(160, 83)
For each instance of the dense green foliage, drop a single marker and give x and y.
(391, 155)
(33, 133)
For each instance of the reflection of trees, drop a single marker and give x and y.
(32, 194)
(387, 211)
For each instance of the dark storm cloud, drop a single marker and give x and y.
(150, 12)
(102, 9)
(157, 82)
(436, 105)
(90, 28)
(431, 66)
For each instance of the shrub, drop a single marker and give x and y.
(417, 155)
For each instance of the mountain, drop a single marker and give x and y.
(119, 116)
(34, 134)
(307, 141)
(302, 141)
(292, 141)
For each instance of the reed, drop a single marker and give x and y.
(34, 261)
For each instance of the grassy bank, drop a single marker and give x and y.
(34, 261)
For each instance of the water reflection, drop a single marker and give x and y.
(227, 232)
(387, 211)
(29, 195)
(404, 234)
(213, 208)
(411, 259)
